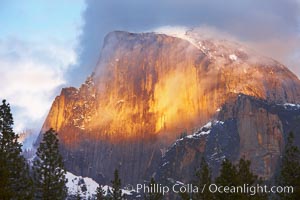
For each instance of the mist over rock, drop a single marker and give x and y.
(147, 88)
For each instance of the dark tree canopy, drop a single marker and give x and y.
(237, 176)
(203, 177)
(289, 174)
(15, 182)
(116, 187)
(48, 167)
(153, 195)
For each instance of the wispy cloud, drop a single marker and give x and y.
(254, 21)
(37, 42)
(32, 73)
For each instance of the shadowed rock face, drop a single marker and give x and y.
(147, 88)
(261, 135)
(245, 127)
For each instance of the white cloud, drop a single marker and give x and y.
(31, 76)
(286, 49)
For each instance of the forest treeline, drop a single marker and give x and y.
(44, 177)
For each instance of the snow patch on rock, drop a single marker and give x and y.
(233, 57)
(291, 105)
(85, 186)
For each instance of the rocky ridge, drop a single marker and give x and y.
(147, 88)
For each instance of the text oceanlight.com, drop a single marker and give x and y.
(214, 188)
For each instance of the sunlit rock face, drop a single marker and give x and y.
(147, 88)
(245, 127)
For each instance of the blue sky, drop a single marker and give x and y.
(49, 44)
(37, 20)
(38, 42)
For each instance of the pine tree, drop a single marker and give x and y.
(237, 176)
(203, 178)
(290, 169)
(246, 176)
(15, 182)
(184, 196)
(48, 167)
(100, 193)
(153, 195)
(228, 177)
(116, 187)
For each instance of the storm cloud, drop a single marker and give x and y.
(271, 26)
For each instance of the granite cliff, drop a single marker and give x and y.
(244, 127)
(147, 88)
